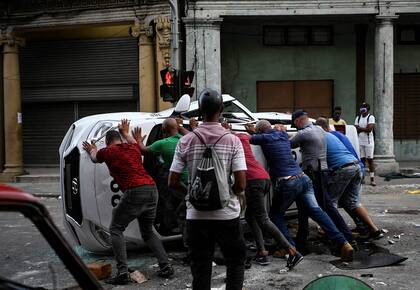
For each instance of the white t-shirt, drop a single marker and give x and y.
(365, 138)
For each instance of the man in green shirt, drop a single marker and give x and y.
(170, 203)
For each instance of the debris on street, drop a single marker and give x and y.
(138, 277)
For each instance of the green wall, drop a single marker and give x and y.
(245, 60)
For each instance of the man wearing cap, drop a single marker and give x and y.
(290, 185)
(311, 140)
(365, 125)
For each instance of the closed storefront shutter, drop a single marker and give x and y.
(65, 80)
(407, 106)
(315, 96)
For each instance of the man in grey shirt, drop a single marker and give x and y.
(311, 140)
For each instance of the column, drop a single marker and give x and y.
(203, 52)
(12, 105)
(163, 55)
(1, 117)
(147, 75)
(384, 95)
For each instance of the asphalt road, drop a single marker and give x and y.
(27, 258)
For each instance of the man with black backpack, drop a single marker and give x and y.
(212, 155)
(365, 125)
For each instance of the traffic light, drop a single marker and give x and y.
(169, 87)
(187, 78)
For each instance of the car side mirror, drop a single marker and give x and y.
(183, 104)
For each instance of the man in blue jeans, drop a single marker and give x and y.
(291, 184)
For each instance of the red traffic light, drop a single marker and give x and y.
(187, 78)
(168, 76)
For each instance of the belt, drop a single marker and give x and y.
(345, 165)
(291, 177)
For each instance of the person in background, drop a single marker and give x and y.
(290, 185)
(221, 226)
(336, 117)
(365, 125)
(139, 200)
(345, 180)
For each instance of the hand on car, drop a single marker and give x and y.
(179, 121)
(226, 125)
(124, 127)
(136, 132)
(193, 123)
(250, 128)
(280, 127)
(89, 146)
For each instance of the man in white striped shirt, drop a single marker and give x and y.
(205, 228)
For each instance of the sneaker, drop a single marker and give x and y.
(166, 271)
(346, 252)
(262, 260)
(119, 279)
(373, 183)
(292, 261)
(376, 235)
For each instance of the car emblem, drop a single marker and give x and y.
(75, 186)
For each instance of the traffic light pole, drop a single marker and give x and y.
(175, 34)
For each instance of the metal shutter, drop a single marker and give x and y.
(407, 106)
(69, 79)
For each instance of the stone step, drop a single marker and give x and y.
(38, 178)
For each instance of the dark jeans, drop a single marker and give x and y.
(136, 203)
(320, 184)
(202, 237)
(301, 190)
(167, 204)
(256, 214)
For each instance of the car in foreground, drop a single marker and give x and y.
(15, 201)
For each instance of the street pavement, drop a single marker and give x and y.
(393, 205)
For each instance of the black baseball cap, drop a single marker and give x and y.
(297, 114)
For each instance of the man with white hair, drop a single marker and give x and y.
(291, 184)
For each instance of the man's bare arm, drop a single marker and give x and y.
(124, 128)
(174, 182)
(136, 135)
(240, 182)
(91, 149)
(181, 130)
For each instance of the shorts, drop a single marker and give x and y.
(366, 151)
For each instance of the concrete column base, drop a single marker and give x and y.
(385, 164)
(10, 172)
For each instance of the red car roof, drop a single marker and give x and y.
(9, 193)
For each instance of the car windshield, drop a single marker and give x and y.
(231, 113)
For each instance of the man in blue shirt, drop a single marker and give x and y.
(291, 184)
(345, 178)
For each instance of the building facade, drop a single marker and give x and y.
(63, 60)
(283, 55)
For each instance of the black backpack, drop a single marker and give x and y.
(210, 187)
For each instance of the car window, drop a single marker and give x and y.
(231, 113)
(27, 258)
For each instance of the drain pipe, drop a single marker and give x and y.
(175, 34)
